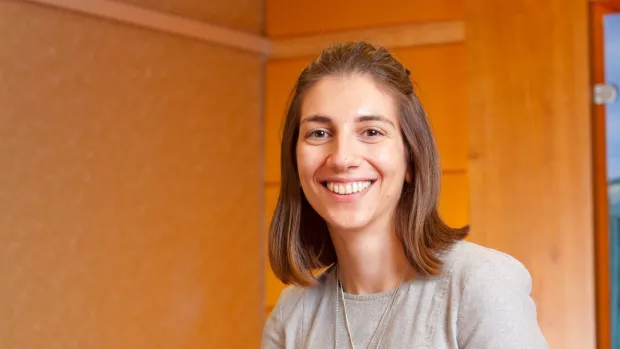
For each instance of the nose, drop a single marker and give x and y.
(344, 154)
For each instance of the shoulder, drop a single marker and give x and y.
(493, 306)
(469, 263)
(289, 298)
(293, 296)
(287, 315)
(293, 299)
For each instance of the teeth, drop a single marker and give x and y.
(348, 188)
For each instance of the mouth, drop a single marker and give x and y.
(348, 188)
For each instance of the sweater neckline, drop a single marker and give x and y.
(367, 296)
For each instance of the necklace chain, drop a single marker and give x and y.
(387, 310)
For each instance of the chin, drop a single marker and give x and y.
(346, 221)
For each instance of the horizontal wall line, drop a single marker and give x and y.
(392, 37)
(453, 171)
(164, 22)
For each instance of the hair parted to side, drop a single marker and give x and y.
(299, 241)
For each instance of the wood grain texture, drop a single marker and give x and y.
(439, 73)
(280, 77)
(245, 15)
(407, 35)
(454, 199)
(285, 18)
(164, 22)
(530, 152)
(131, 195)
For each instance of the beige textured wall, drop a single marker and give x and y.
(130, 187)
(245, 15)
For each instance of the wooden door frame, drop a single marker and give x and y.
(598, 9)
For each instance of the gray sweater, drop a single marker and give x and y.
(481, 300)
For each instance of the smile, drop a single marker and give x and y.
(347, 188)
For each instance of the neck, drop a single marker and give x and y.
(369, 261)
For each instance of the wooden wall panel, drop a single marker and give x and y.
(131, 196)
(404, 35)
(245, 15)
(439, 73)
(280, 77)
(530, 146)
(284, 18)
(454, 199)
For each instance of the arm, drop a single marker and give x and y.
(496, 310)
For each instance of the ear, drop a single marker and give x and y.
(408, 177)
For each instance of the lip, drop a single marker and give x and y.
(347, 197)
(347, 180)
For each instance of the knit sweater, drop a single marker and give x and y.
(480, 300)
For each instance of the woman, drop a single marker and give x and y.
(357, 232)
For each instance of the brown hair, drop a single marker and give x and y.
(299, 242)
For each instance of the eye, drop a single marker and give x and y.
(372, 132)
(317, 134)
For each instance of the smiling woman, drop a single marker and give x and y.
(350, 148)
(357, 231)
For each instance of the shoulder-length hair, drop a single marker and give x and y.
(299, 241)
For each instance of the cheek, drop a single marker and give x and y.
(390, 160)
(307, 162)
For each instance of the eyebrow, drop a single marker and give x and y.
(317, 118)
(374, 118)
(326, 119)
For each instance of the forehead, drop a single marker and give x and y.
(344, 97)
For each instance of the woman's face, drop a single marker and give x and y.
(350, 152)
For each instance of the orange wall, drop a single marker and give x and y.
(244, 15)
(438, 70)
(285, 18)
(131, 200)
(530, 144)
